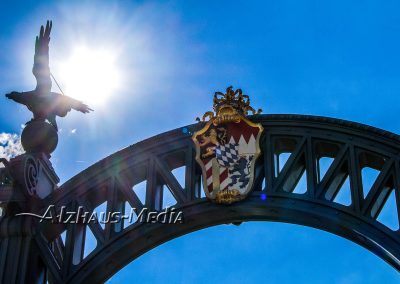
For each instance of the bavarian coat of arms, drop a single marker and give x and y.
(227, 148)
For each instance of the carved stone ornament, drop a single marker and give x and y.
(34, 174)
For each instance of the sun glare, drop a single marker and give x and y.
(89, 75)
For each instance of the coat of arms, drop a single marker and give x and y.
(227, 147)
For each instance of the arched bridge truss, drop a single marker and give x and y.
(293, 173)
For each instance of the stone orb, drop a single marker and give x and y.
(39, 136)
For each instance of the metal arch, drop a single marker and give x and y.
(352, 147)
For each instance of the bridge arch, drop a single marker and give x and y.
(303, 140)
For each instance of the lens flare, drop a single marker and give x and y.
(263, 197)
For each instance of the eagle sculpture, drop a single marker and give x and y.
(42, 102)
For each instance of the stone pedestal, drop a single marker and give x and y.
(32, 179)
(34, 174)
(19, 252)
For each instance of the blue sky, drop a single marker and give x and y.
(331, 58)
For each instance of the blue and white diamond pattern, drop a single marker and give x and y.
(227, 155)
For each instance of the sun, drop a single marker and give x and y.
(89, 75)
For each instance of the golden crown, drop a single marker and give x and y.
(229, 107)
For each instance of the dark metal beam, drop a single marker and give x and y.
(307, 138)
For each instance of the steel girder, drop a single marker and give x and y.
(305, 140)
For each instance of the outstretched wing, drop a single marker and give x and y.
(41, 69)
(79, 106)
(22, 98)
(64, 104)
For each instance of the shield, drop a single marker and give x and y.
(227, 148)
